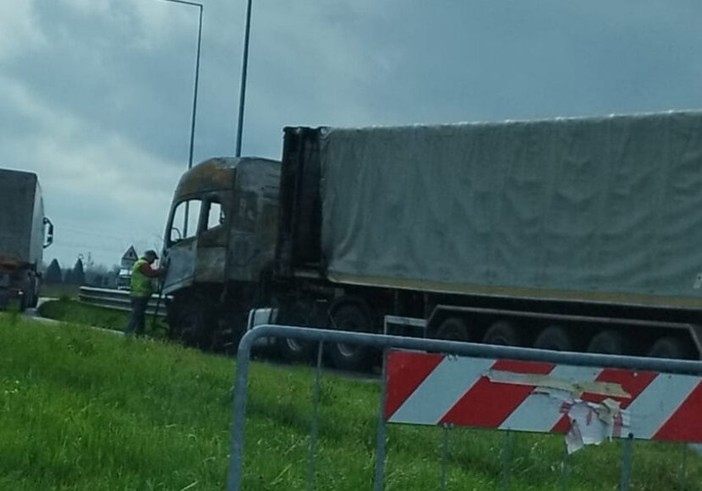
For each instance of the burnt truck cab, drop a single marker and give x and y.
(220, 240)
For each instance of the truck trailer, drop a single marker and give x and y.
(571, 234)
(24, 233)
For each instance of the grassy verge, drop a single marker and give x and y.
(69, 310)
(59, 291)
(85, 410)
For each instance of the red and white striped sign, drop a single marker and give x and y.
(435, 389)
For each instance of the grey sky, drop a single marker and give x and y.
(96, 94)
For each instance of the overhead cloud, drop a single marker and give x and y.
(97, 94)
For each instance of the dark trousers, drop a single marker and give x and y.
(137, 319)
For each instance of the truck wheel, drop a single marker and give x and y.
(34, 288)
(192, 326)
(555, 338)
(290, 349)
(23, 302)
(453, 329)
(503, 333)
(671, 347)
(293, 350)
(347, 356)
(609, 342)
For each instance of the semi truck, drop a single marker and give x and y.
(570, 234)
(24, 233)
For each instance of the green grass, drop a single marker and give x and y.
(59, 290)
(81, 409)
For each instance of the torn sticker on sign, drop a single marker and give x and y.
(591, 423)
(546, 382)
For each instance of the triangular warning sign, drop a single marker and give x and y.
(129, 258)
(130, 255)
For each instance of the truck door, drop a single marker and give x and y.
(180, 253)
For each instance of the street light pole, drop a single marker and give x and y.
(197, 75)
(244, 69)
(194, 112)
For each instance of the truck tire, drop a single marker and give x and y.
(295, 350)
(23, 302)
(502, 333)
(192, 326)
(34, 298)
(555, 338)
(346, 356)
(671, 347)
(609, 342)
(453, 329)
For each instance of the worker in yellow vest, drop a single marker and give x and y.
(141, 289)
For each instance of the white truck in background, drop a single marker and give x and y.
(24, 234)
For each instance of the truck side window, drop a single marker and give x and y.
(179, 230)
(215, 215)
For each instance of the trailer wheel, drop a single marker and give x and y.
(671, 347)
(609, 343)
(453, 329)
(503, 333)
(555, 338)
(347, 356)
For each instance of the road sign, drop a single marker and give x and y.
(588, 403)
(129, 258)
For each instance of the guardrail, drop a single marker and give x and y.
(116, 299)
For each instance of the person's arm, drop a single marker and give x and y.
(147, 270)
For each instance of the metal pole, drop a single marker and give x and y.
(444, 456)
(315, 423)
(195, 90)
(379, 480)
(197, 80)
(242, 88)
(626, 462)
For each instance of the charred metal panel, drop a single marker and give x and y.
(211, 175)
(254, 220)
(181, 266)
(300, 202)
(210, 266)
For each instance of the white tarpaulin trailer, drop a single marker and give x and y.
(597, 207)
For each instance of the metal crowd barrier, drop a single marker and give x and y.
(658, 409)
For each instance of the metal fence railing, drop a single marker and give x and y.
(587, 396)
(116, 299)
